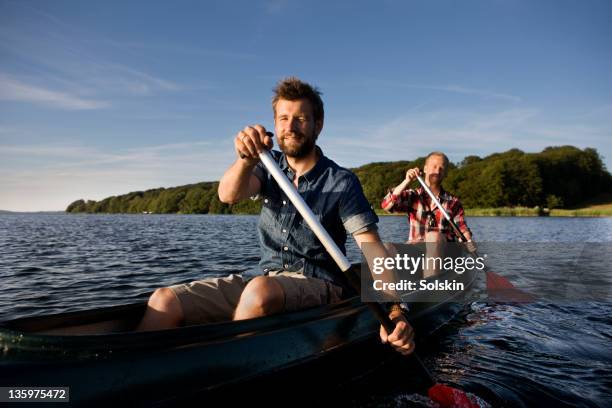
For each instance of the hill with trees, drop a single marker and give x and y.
(557, 177)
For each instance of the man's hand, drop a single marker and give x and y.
(471, 246)
(412, 174)
(251, 141)
(402, 338)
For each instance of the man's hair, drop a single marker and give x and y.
(442, 155)
(292, 89)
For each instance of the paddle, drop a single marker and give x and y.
(498, 287)
(444, 395)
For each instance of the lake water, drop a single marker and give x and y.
(539, 354)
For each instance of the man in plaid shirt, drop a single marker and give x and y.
(427, 224)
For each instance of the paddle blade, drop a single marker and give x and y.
(449, 397)
(501, 289)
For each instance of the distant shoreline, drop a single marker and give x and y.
(32, 212)
(473, 212)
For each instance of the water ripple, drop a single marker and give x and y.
(540, 354)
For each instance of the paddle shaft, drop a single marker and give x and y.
(442, 210)
(327, 241)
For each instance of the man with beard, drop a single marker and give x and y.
(296, 270)
(427, 224)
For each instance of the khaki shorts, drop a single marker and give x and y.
(215, 299)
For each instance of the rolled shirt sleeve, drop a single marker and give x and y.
(355, 210)
(401, 203)
(260, 172)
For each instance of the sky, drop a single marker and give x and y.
(104, 98)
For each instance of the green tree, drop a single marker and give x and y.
(77, 206)
(563, 175)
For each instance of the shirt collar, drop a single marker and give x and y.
(313, 173)
(318, 168)
(283, 162)
(444, 195)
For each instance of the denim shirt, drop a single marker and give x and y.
(336, 198)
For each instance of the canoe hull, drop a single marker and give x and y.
(156, 366)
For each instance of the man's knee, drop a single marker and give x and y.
(391, 249)
(434, 236)
(262, 295)
(164, 311)
(435, 248)
(165, 300)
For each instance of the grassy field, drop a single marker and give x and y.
(598, 207)
(504, 212)
(600, 210)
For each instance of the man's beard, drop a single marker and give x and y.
(301, 145)
(434, 181)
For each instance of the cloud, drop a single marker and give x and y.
(459, 89)
(46, 151)
(13, 90)
(469, 91)
(603, 112)
(69, 59)
(137, 80)
(458, 133)
(276, 6)
(7, 130)
(174, 49)
(49, 177)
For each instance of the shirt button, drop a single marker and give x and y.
(284, 202)
(284, 230)
(286, 248)
(266, 201)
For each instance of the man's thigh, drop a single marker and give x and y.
(210, 300)
(303, 291)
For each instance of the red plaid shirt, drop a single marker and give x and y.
(421, 210)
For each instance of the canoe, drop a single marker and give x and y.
(99, 356)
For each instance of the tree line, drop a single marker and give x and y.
(557, 177)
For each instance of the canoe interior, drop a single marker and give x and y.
(124, 318)
(114, 319)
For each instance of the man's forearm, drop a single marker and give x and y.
(235, 185)
(389, 203)
(376, 249)
(401, 187)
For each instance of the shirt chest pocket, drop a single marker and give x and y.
(275, 203)
(271, 218)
